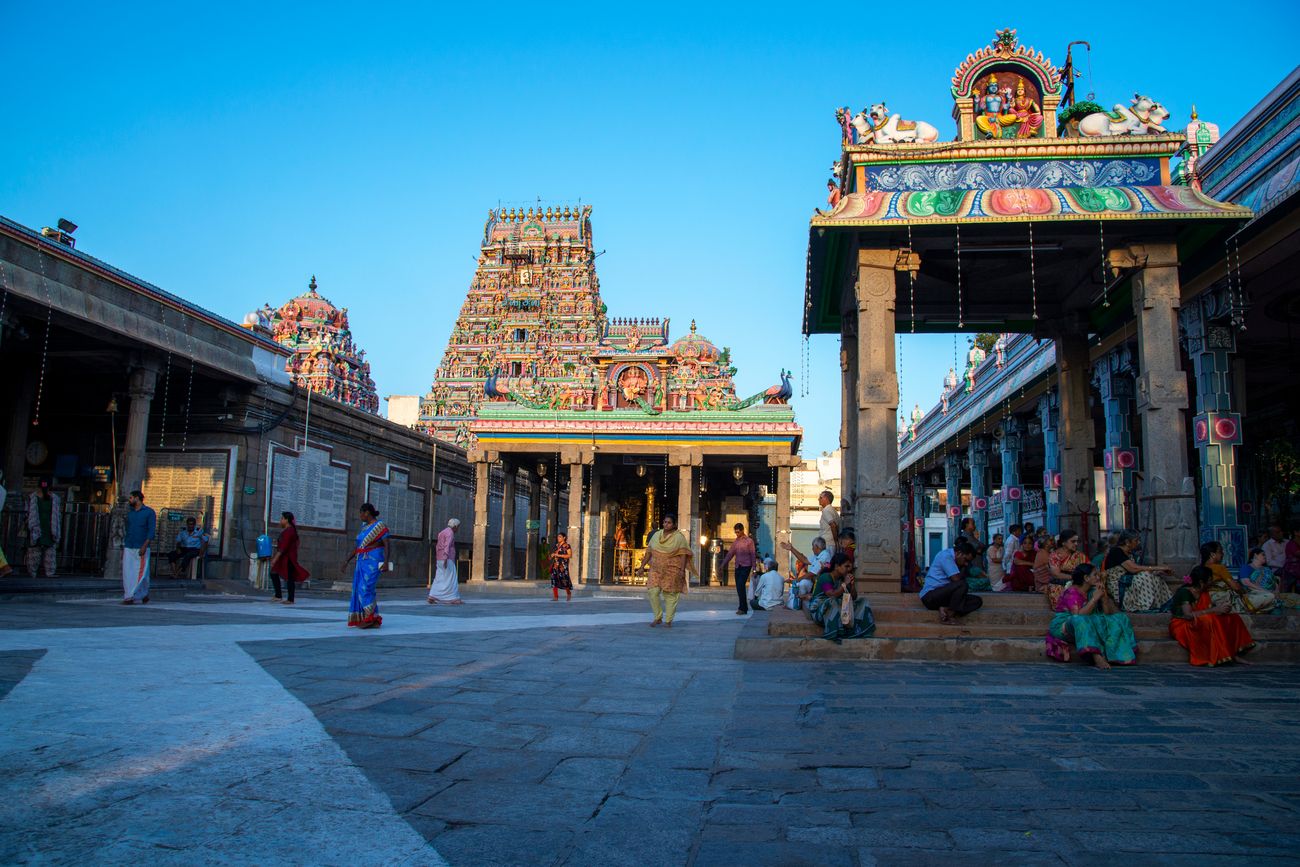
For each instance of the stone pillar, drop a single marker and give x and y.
(1078, 495)
(592, 538)
(140, 388)
(1049, 418)
(478, 556)
(532, 531)
(553, 510)
(952, 480)
(848, 417)
(1167, 503)
(686, 520)
(918, 513)
(876, 498)
(782, 508)
(1013, 441)
(574, 522)
(1216, 429)
(1114, 376)
(977, 453)
(506, 566)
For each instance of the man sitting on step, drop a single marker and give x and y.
(945, 589)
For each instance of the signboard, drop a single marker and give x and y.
(189, 483)
(312, 485)
(400, 505)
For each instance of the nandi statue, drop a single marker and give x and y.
(878, 125)
(1143, 118)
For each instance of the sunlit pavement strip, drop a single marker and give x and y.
(169, 744)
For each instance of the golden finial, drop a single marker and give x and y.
(1193, 112)
(312, 284)
(692, 326)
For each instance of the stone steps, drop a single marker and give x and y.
(1005, 630)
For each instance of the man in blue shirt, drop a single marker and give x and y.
(141, 527)
(945, 587)
(190, 545)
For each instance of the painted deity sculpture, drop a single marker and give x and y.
(877, 125)
(1028, 112)
(1143, 117)
(994, 114)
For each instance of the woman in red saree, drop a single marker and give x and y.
(285, 562)
(1211, 633)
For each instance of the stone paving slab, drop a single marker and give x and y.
(578, 736)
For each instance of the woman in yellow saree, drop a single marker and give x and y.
(668, 556)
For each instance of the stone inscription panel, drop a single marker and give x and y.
(310, 484)
(400, 506)
(191, 482)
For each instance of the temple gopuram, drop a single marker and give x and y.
(325, 358)
(538, 380)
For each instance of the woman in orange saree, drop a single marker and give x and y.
(1212, 634)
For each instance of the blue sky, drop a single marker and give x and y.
(227, 152)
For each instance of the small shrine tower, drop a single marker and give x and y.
(325, 359)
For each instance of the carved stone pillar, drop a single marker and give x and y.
(977, 455)
(848, 415)
(506, 564)
(1013, 441)
(1049, 419)
(1216, 429)
(591, 531)
(533, 527)
(575, 518)
(1114, 377)
(140, 389)
(687, 522)
(478, 556)
(1167, 503)
(952, 473)
(1078, 493)
(876, 498)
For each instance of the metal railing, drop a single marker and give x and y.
(83, 537)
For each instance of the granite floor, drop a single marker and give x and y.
(520, 731)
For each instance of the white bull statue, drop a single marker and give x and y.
(1144, 117)
(878, 125)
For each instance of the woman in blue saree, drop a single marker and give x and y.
(372, 556)
(1089, 623)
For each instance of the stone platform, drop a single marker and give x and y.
(1009, 628)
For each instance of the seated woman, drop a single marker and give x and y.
(1213, 634)
(1134, 587)
(1087, 619)
(1043, 571)
(996, 551)
(1264, 580)
(1225, 588)
(1022, 566)
(1064, 559)
(833, 587)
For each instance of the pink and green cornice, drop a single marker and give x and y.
(1000, 205)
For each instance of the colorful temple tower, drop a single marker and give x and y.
(531, 322)
(325, 359)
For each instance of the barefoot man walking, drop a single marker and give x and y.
(668, 555)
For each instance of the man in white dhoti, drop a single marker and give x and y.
(446, 583)
(141, 527)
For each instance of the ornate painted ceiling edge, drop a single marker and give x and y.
(876, 208)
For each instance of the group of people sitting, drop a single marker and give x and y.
(1091, 599)
(823, 585)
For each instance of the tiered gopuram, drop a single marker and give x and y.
(534, 332)
(325, 358)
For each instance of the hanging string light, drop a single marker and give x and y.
(803, 383)
(1105, 274)
(189, 386)
(45, 344)
(911, 279)
(961, 323)
(1033, 274)
(167, 378)
(1237, 300)
(4, 294)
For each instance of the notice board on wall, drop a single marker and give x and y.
(400, 505)
(312, 485)
(192, 483)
